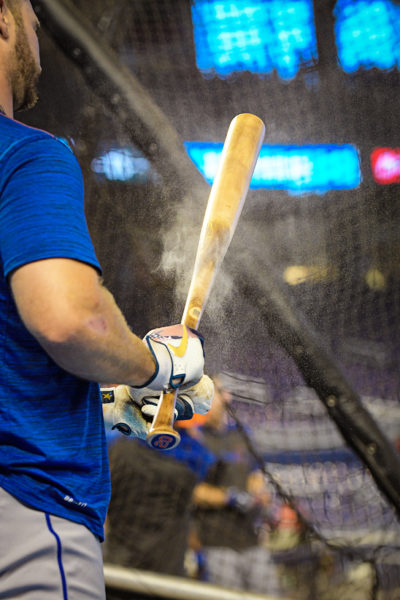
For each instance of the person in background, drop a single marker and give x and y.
(195, 510)
(229, 503)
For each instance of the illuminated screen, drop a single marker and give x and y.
(385, 164)
(367, 34)
(297, 169)
(254, 35)
(120, 164)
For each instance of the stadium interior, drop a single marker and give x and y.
(306, 309)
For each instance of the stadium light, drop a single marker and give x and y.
(297, 274)
(367, 34)
(296, 169)
(120, 164)
(254, 35)
(385, 165)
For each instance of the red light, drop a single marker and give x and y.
(385, 164)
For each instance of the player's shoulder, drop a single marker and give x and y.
(17, 137)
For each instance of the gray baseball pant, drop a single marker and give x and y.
(43, 557)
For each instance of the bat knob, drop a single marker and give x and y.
(163, 440)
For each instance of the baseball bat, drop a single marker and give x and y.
(228, 193)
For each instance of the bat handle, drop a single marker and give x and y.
(162, 435)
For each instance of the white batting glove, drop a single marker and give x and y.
(179, 356)
(133, 409)
(195, 399)
(127, 416)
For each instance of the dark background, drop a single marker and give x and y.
(145, 234)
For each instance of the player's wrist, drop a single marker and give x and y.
(178, 354)
(161, 373)
(239, 499)
(148, 371)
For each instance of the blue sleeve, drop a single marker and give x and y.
(194, 455)
(42, 205)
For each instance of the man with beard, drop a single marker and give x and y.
(61, 333)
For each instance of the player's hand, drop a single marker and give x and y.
(127, 416)
(178, 352)
(241, 500)
(134, 409)
(195, 399)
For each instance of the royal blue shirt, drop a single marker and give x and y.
(53, 454)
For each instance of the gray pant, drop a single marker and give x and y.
(252, 569)
(43, 557)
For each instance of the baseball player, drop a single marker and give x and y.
(60, 332)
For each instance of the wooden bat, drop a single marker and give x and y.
(228, 193)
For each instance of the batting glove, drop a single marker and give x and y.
(178, 352)
(196, 399)
(126, 415)
(134, 409)
(240, 500)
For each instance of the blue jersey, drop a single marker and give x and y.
(194, 454)
(53, 454)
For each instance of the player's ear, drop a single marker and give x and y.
(4, 20)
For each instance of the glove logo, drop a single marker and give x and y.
(107, 396)
(179, 350)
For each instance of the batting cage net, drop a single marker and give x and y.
(302, 325)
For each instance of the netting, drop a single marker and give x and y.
(319, 222)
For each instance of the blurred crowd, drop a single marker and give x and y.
(202, 510)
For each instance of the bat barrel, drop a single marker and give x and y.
(239, 156)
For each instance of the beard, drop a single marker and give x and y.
(25, 72)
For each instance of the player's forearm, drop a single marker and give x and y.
(76, 320)
(101, 347)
